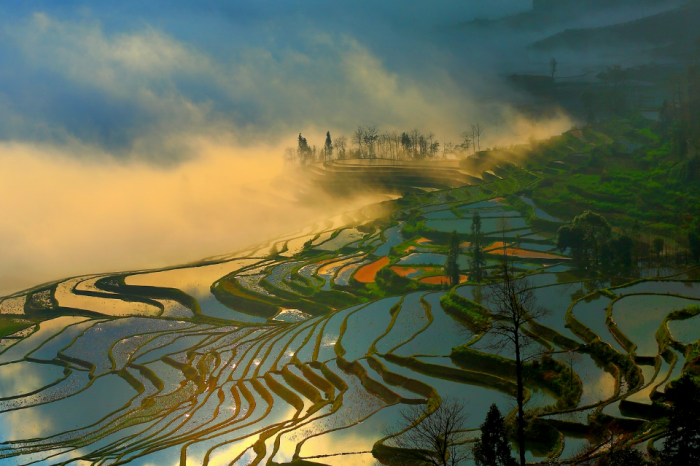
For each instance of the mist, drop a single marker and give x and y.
(142, 140)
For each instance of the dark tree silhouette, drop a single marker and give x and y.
(436, 438)
(622, 456)
(303, 150)
(615, 77)
(658, 247)
(477, 261)
(328, 146)
(513, 307)
(694, 241)
(553, 66)
(585, 237)
(452, 264)
(493, 448)
(682, 446)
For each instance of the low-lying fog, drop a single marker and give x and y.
(136, 136)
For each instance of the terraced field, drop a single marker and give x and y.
(277, 353)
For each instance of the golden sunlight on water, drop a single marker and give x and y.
(65, 216)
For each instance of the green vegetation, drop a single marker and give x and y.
(477, 261)
(683, 443)
(493, 448)
(474, 316)
(341, 335)
(451, 265)
(8, 326)
(593, 243)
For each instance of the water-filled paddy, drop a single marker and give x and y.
(488, 225)
(555, 300)
(180, 385)
(105, 395)
(344, 238)
(195, 281)
(690, 289)
(639, 317)
(440, 337)
(24, 377)
(591, 313)
(539, 212)
(393, 238)
(343, 276)
(296, 245)
(427, 258)
(685, 331)
(367, 273)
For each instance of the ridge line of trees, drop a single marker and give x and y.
(366, 142)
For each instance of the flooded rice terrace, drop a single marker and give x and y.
(304, 347)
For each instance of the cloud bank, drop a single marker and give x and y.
(131, 135)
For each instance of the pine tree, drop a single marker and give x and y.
(328, 146)
(452, 264)
(303, 150)
(682, 446)
(477, 261)
(694, 241)
(623, 456)
(493, 448)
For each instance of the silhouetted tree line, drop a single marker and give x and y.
(617, 95)
(679, 117)
(366, 142)
(439, 437)
(593, 244)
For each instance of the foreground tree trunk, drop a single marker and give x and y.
(520, 398)
(513, 305)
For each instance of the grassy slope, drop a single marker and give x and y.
(10, 326)
(647, 185)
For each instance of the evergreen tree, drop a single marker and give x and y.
(585, 236)
(493, 449)
(623, 456)
(328, 146)
(694, 241)
(452, 265)
(303, 150)
(477, 262)
(682, 446)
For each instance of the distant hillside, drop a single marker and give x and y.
(677, 28)
(588, 5)
(546, 13)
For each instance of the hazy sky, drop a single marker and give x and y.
(132, 79)
(132, 132)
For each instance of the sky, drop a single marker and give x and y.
(143, 134)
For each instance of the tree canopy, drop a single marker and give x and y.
(477, 261)
(493, 448)
(594, 244)
(682, 446)
(452, 263)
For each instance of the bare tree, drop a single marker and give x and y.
(414, 136)
(395, 140)
(513, 307)
(571, 358)
(447, 148)
(466, 140)
(371, 137)
(436, 438)
(553, 66)
(615, 77)
(477, 131)
(341, 143)
(358, 138)
(290, 155)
